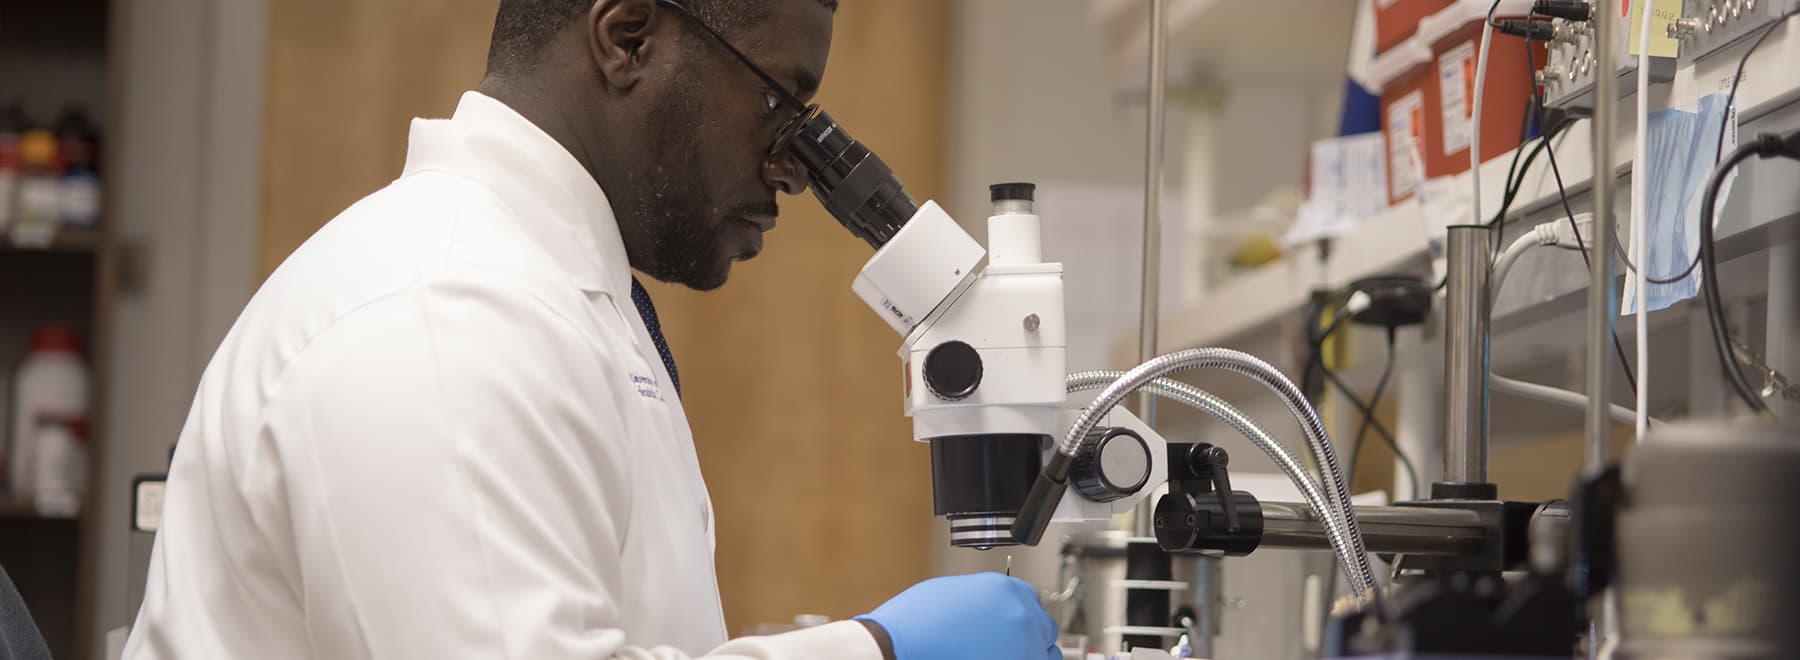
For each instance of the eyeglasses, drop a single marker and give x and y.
(779, 96)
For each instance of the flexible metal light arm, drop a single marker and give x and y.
(1041, 503)
(1198, 399)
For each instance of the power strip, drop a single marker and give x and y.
(1709, 26)
(1568, 76)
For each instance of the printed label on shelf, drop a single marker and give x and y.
(1456, 84)
(1406, 126)
(1346, 187)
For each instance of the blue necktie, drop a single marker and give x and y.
(646, 309)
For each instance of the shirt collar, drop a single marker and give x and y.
(552, 197)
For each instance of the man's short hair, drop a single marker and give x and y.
(523, 28)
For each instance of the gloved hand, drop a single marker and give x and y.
(986, 616)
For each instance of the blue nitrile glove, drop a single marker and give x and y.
(986, 616)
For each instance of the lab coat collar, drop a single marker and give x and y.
(551, 196)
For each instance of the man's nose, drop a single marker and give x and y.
(782, 172)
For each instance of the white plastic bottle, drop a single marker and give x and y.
(61, 466)
(52, 383)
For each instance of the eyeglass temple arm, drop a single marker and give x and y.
(787, 97)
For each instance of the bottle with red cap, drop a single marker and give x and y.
(51, 384)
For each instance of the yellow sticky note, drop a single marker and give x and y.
(1661, 44)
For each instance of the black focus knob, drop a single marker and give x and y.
(1111, 464)
(952, 370)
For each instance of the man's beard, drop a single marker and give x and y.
(684, 238)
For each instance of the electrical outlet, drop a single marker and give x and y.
(1568, 75)
(1709, 26)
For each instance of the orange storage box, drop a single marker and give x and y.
(1504, 98)
(1406, 126)
(1395, 20)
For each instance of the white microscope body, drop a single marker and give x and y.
(984, 370)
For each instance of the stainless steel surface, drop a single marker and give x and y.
(1395, 529)
(1153, 208)
(1209, 582)
(1707, 542)
(1013, 207)
(1153, 189)
(1346, 540)
(1466, 354)
(1600, 252)
(1782, 338)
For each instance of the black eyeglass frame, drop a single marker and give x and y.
(802, 111)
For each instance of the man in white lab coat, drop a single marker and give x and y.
(448, 426)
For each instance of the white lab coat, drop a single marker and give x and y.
(440, 430)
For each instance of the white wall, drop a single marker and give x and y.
(187, 174)
(1033, 99)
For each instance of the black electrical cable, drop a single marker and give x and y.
(1314, 358)
(1709, 277)
(1316, 361)
(1511, 187)
(1562, 193)
(1387, 370)
(1381, 431)
(1568, 10)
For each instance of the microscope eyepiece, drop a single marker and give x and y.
(852, 182)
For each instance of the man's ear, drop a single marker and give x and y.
(621, 37)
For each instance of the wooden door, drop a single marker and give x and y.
(792, 384)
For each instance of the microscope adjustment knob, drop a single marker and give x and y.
(1112, 464)
(952, 370)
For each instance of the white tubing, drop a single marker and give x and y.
(1481, 66)
(1548, 394)
(1640, 222)
(1539, 235)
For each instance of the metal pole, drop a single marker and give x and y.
(1782, 352)
(1153, 202)
(1600, 300)
(1386, 529)
(1466, 354)
(1153, 191)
